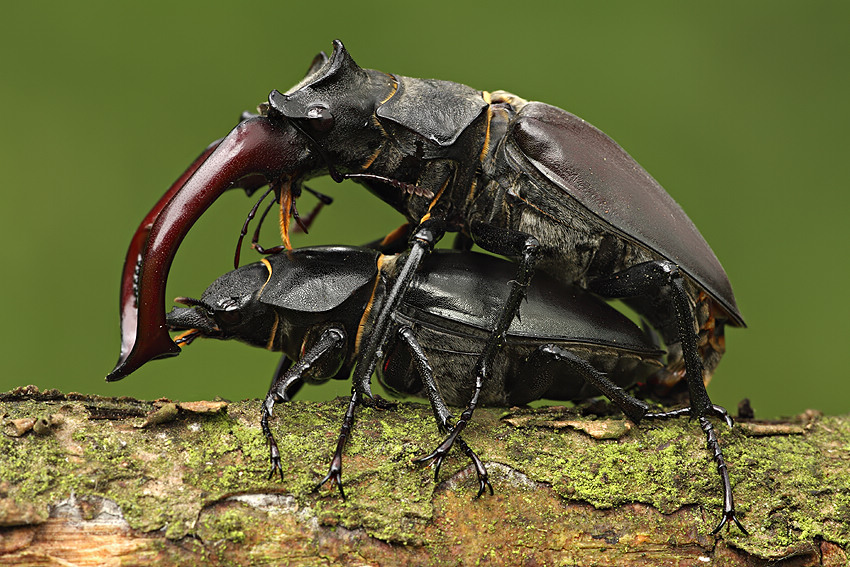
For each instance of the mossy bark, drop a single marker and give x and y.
(104, 481)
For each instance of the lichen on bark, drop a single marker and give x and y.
(181, 482)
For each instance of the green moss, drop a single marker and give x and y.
(789, 490)
(228, 525)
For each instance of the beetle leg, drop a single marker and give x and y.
(714, 446)
(634, 409)
(646, 279)
(268, 405)
(331, 339)
(280, 370)
(441, 411)
(335, 470)
(422, 242)
(428, 233)
(509, 243)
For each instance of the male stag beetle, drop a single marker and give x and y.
(317, 305)
(521, 179)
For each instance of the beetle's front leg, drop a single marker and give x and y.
(508, 243)
(331, 340)
(441, 411)
(268, 406)
(647, 279)
(427, 234)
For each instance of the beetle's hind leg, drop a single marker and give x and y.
(634, 409)
(647, 279)
(717, 454)
(441, 411)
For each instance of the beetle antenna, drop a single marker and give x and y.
(192, 302)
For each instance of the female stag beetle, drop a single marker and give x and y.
(317, 305)
(521, 179)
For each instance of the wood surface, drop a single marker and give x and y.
(115, 481)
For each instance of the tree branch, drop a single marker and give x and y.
(91, 480)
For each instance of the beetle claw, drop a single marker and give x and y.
(483, 484)
(377, 402)
(434, 459)
(480, 469)
(334, 476)
(724, 521)
(721, 412)
(275, 468)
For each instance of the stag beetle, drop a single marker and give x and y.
(521, 179)
(317, 305)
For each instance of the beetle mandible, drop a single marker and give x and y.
(522, 179)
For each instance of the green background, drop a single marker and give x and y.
(740, 109)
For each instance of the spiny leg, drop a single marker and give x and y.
(424, 238)
(634, 409)
(713, 446)
(335, 470)
(647, 279)
(509, 243)
(268, 405)
(441, 411)
(423, 241)
(331, 339)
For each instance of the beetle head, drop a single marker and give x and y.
(334, 107)
(228, 309)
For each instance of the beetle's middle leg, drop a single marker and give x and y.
(647, 279)
(423, 240)
(441, 411)
(508, 243)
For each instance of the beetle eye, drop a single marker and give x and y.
(320, 118)
(228, 312)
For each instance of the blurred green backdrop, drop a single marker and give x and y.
(739, 109)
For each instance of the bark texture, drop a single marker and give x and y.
(110, 481)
